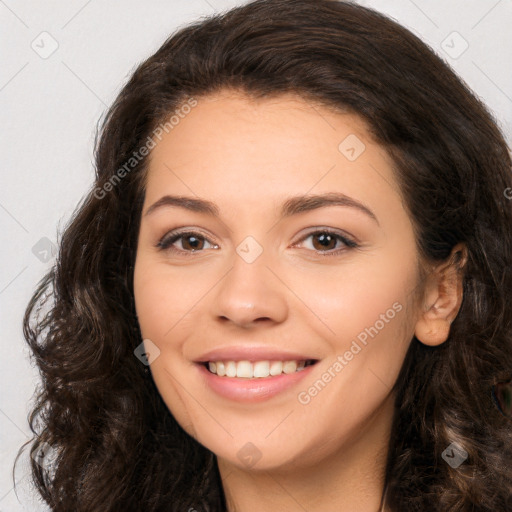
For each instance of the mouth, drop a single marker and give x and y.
(245, 372)
(249, 382)
(245, 369)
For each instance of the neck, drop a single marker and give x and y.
(351, 478)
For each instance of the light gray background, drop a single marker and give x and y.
(50, 105)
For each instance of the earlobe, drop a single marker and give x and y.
(432, 332)
(443, 298)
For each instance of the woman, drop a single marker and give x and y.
(202, 352)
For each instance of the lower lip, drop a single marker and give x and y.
(252, 390)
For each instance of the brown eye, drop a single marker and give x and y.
(190, 242)
(324, 241)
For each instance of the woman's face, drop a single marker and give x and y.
(295, 247)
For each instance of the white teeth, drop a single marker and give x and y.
(221, 369)
(231, 369)
(258, 369)
(262, 369)
(276, 368)
(290, 367)
(244, 369)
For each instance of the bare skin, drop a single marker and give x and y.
(323, 450)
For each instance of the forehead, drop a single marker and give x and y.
(235, 123)
(234, 147)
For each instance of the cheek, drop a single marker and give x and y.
(340, 303)
(380, 294)
(372, 332)
(153, 302)
(164, 298)
(159, 307)
(365, 320)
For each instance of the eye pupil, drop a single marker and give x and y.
(194, 244)
(325, 239)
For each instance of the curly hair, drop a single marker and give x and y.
(115, 444)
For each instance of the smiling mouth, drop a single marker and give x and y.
(258, 369)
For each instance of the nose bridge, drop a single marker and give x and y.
(250, 291)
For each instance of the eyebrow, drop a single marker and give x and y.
(292, 206)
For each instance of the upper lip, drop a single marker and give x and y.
(253, 354)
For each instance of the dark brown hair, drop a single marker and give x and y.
(116, 446)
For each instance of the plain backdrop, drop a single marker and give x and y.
(62, 64)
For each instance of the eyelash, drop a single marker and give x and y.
(165, 243)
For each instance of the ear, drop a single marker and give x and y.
(442, 298)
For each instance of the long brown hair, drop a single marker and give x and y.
(115, 444)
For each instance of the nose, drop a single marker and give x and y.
(250, 295)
